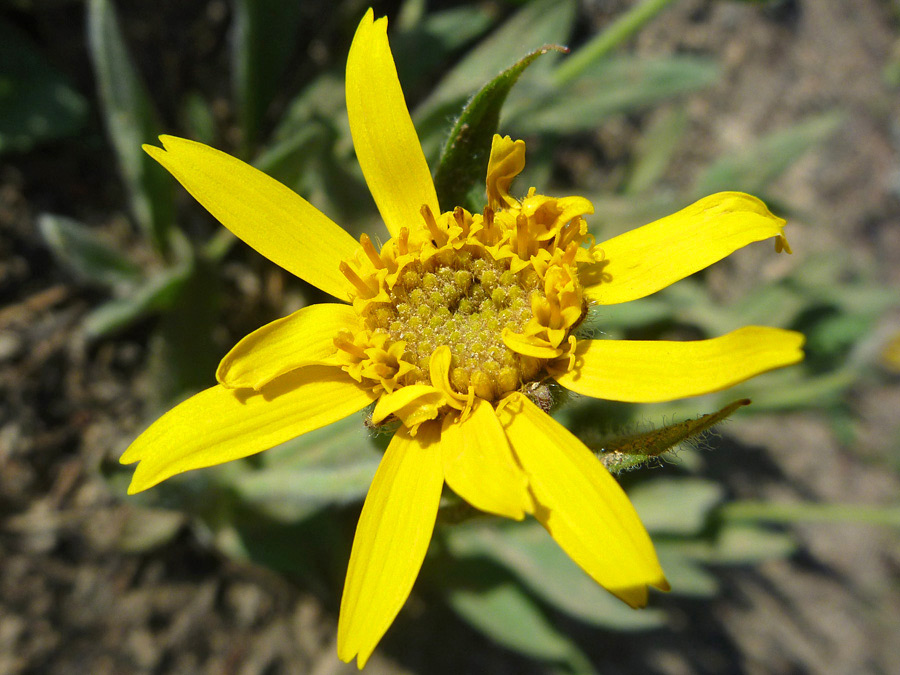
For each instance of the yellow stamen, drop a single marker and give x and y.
(369, 249)
(364, 289)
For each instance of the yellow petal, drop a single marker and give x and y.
(219, 425)
(649, 258)
(479, 465)
(304, 338)
(580, 504)
(506, 162)
(384, 137)
(413, 404)
(268, 216)
(529, 345)
(391, 540)
(650, 371)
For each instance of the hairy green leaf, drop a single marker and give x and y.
(675, 505)
(532, 555)
(157, 293)
(510, 618)
(464, 160)
(81, 250)
(627, 452)
(130, 121)
(614, 86)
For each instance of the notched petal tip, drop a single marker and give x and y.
(151, 149)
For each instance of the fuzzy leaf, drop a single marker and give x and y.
(156, 293)
(464, 160)
(655, 150)
(421, 46)
(532, 555)
(332, 465)
(537, 23)
(610, 87)
(685, 575)
(598, 47)
(628, 452)
(80, 249)
(510, 618)
(675, 505)
(130, 121)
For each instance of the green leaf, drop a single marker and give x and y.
(804, 512)
(750, 544)
(655, 149)
(684, 575)
(620, 30)
(37, 102)
(627, 452)
(422, 46)
(341, 443)
(537, 23)
(464, 160)
(610, 87)
(753, 169)
(264, 37)
(675, 505)
(130, 121)
(322, 99)
(293, 495)
(82, 251)
(530, 553)
(329, 466)
(198, 119)
(157, 293)
(184, 354)
(289, 159)
(511, 619)
(794, 389)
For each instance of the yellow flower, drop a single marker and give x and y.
(450, 328)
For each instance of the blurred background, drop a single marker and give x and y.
(118, 295)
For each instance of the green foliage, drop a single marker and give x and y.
(602, 44)
(622, 453)
(530, 554)
(329, 466)
(82, 251)
(676, 506)
(265, 32)
(157, 293)
(613, 86)
(464, 160)
(510, 618)
(537, 23)
(756, 167)
(37, 102)
(131, 120)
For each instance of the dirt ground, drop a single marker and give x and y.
(73, 601)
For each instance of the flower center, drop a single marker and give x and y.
(463, 300)
(466, 305)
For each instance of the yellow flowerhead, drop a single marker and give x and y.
(450, 328)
